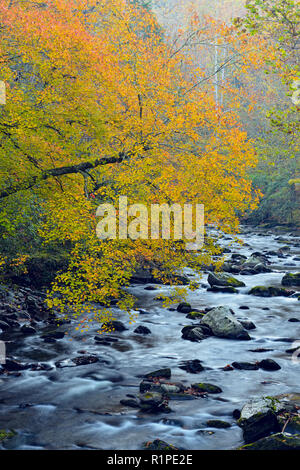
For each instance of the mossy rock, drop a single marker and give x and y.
(4, 435)
(205, 387)
(217, 423)
(224, 280)
(157, 444)
(263, 291)
(291, 279)
(195, 315)
(279, 441)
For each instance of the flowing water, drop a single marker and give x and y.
(79, 407)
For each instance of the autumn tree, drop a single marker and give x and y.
(100, 105)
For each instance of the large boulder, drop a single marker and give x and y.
(224, 325)
(224, 280)
(291, 279)
(259, 417)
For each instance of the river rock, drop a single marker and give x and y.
(160, 373)
(157, 444)
(114, 325)
(223, 290)
(291, 279)
(28, 330)
(142, 330)
(206, 387)
(263, 291)
(245, 366)
(279, 441)
(153, 402)
(259, 417)
(131, 402)
(193, 366)
(196, 333)
(269, 364)
(224, 325)
(217, 423)
(247, 324)
(224, 280)
(184, 308)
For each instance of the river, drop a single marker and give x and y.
(79, 407)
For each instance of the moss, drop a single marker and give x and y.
(235, 282)
(278, 441)
(205, 387)
(6, 434)
(195, 315)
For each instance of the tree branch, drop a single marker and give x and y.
(64, 170)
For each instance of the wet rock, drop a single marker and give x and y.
(184, 308)
(157, 444)
(160, 373)
(142, 330)
(84, 360)
(262, 291)
(223, 280)
(114, 325)
(132, 403)
(161, 387)
(224, 325)
(279, 441)
(236, 414)
(6, 434)
(12, 365)
(255, 259)
(269, 364)
(294, 320)
(40, 366)
(150, 386)
(223, 290)
(143, 312)
(244, 307)
(76, 361)
(206, 387)
(247, 324)
(28, 330)
(245, 366)
(216, 423)
(54, 335)
(153, 402)
(257, 421)
(195, 333)
(260, 350)
(195, 315)
(291, 279)
(193, 366)
(4, 326)
(150, 288)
